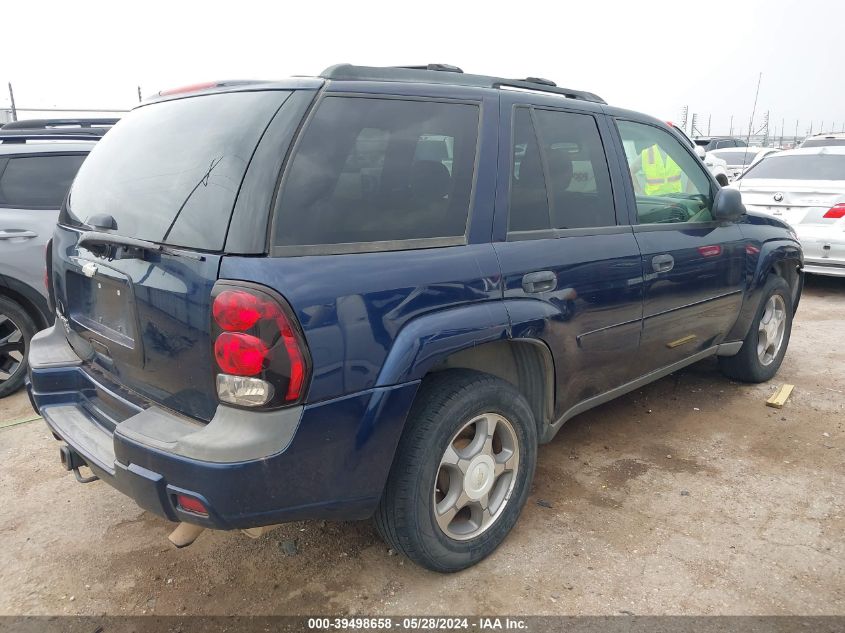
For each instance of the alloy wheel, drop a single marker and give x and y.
(12, 348)
(771, 330)
(476, 476)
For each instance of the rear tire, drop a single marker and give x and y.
(722, 180)
(462, 471)
(762, 352)
(16, 331)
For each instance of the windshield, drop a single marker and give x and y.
(170, 172)
(823, 142)
(800, 167)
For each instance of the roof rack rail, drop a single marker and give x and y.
(59, 124)
(446, 74)
(438, 67)
(55, 130)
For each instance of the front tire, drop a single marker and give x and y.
(16, 330)
(462, 471)
(765, 345)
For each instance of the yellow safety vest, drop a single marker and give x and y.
(661, 176)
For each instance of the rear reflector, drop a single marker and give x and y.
(190, 504)
(835, 212)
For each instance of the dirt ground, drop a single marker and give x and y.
(686, 497)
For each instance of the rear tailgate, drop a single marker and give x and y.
(796, 202)
(169, 174)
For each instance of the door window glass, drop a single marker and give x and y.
(38, 181)
(529, 204)
(560, 178)
(372, 170)
(670, 184)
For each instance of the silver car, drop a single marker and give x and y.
(806, 188)
(38, 161)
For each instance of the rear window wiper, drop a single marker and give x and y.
(130, 247)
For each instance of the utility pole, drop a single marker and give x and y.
(795, 138)
(684, 113)
(694, 129)
(139, 94)
(12, 99)
(709, 118)
(731, 132)
(782, 123)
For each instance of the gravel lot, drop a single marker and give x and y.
(687, 497)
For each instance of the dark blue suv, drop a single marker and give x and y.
(373, 293)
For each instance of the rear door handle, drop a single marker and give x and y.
(540, 281)
(8, 234)
(662, 263)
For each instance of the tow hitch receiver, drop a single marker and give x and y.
(72, 460)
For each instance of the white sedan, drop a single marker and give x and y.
(806, 188)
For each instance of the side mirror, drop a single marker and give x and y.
(728, 207)
(700, 152)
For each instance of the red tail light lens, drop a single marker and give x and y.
(835, 212)
(236, 311)
(256, 335)
(240, 354)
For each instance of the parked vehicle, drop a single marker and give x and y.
(388, 306)
(806, 188)
(741, 158)
(35, 173)
(824, 140)
(709, 143)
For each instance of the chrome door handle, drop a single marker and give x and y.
(662, 263)
(540, 281)
(9, 234)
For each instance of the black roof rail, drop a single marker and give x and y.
(450, 75)
(60, 124)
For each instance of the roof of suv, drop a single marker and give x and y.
(442, 74)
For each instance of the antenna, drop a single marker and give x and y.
(754, 109)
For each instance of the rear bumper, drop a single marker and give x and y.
(824, 249)
(326, 460)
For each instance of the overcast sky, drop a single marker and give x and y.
(653, 56)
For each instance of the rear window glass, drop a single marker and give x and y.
(38, 181)
(823, 142)
(736, 157)
(377, 170)
(170, 172)
(800, 167)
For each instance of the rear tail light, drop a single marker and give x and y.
(261, 355)
(835, 212)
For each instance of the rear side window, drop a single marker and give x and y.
(379, 170)
(170, 172)
(38, 182)
(800, 167)
(560, 178)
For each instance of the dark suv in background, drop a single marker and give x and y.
(38, 160)
(373, 293)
